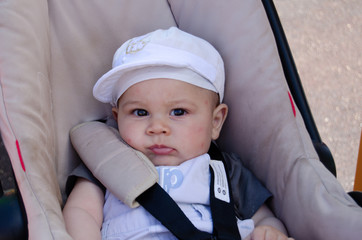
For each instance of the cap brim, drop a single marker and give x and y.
(114, 83)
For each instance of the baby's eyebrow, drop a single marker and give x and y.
(170, 103)
(181, 101)
(130, 103)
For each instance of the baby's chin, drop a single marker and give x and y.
(166, 161)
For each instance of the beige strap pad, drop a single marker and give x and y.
(102, 150)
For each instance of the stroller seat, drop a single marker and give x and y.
(52, 52)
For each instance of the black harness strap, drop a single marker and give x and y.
(223, 214)
(157, 202)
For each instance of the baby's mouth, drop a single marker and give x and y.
(161, 149)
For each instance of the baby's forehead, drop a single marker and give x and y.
(171, 90)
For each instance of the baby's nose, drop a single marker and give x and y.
(158, 126)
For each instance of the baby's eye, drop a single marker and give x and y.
(178, 112)
(140, 112)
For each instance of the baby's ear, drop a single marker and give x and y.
(115, 112)
(219, 116)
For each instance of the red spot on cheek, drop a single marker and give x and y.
(128, 141)
(200, 129)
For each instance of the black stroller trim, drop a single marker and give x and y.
(296, 88)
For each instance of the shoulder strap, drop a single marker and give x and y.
(221, 204)
(221, 200)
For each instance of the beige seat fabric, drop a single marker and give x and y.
(52, 52)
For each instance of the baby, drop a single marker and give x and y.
(166, 90)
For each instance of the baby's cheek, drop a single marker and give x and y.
(202, 145)
(202, 135)
(129, 141)
(200, 130)
(126, 136)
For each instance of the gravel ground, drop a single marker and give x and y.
(325, 37)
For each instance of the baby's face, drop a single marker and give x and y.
(169, 121)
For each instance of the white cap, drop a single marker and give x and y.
(172, 54)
